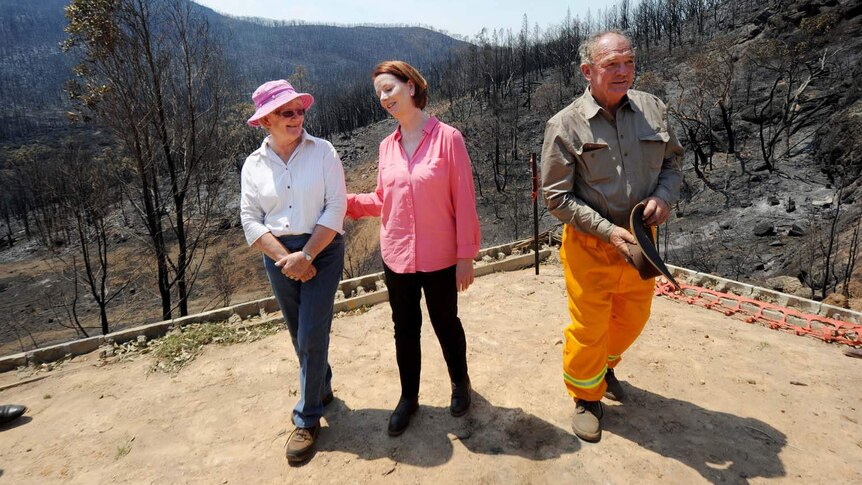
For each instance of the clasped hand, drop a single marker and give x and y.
(296, 267)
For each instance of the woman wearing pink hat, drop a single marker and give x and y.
(292, 210)
(429, 233)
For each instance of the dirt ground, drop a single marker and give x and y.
(711, 399)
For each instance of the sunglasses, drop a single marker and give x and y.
(290, 113)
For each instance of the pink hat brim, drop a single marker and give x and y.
(271, 105)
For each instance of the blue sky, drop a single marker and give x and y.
(464, 17)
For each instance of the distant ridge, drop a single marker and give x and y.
(33, 69)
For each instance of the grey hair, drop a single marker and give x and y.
(588, 46)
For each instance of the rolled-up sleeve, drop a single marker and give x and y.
(335, 197)
(468, 232)
(558, 177)
(251, 214)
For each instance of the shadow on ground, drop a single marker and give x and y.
(428, 442)
(18, 422)
(722, 447)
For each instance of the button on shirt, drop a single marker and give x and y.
(597, 167)
(427, 202)
(288, 198)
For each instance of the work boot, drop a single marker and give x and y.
(461, 398)
(300, 444)
(400, 418)
(585, 422)
(614, 392)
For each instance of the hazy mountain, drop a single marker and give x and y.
(33, 68)
(264, 49)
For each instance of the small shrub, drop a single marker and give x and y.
(124, 448)
(181, 346)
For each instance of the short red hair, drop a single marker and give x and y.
(405, 72)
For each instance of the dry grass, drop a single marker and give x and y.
(182, 345)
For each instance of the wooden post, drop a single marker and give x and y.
(535, 196)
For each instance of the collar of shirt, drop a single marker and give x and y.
(269, 154)
(427, 128)
(590, 107)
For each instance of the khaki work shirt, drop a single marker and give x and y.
(595, 168)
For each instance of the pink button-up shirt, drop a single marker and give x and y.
(427, 202)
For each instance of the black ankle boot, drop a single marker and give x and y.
(460, 398)
(400, 418)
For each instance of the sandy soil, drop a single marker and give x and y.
(711, 399)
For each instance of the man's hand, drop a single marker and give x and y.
(310, 273)
(619, 238)
(294, 266)
(464, 274)
(656, 211)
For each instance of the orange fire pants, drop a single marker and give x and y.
(609, 305)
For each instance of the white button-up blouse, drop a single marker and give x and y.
(288, 198)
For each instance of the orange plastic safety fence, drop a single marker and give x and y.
(775, 316)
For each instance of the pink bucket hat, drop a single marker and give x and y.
(272, 94)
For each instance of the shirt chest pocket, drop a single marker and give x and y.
(652, 145)
(597, 165)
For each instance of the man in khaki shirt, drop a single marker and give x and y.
(603, 154)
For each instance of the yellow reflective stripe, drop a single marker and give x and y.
(586, 383)
(612, 358)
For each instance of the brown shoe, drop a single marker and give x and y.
(614, 392)
(300, 444)
(586, 421)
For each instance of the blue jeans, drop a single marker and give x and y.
(307, 309)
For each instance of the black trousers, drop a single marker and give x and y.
(441, 294)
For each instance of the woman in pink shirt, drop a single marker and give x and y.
(429, 232)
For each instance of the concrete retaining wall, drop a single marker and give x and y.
(369, 290)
